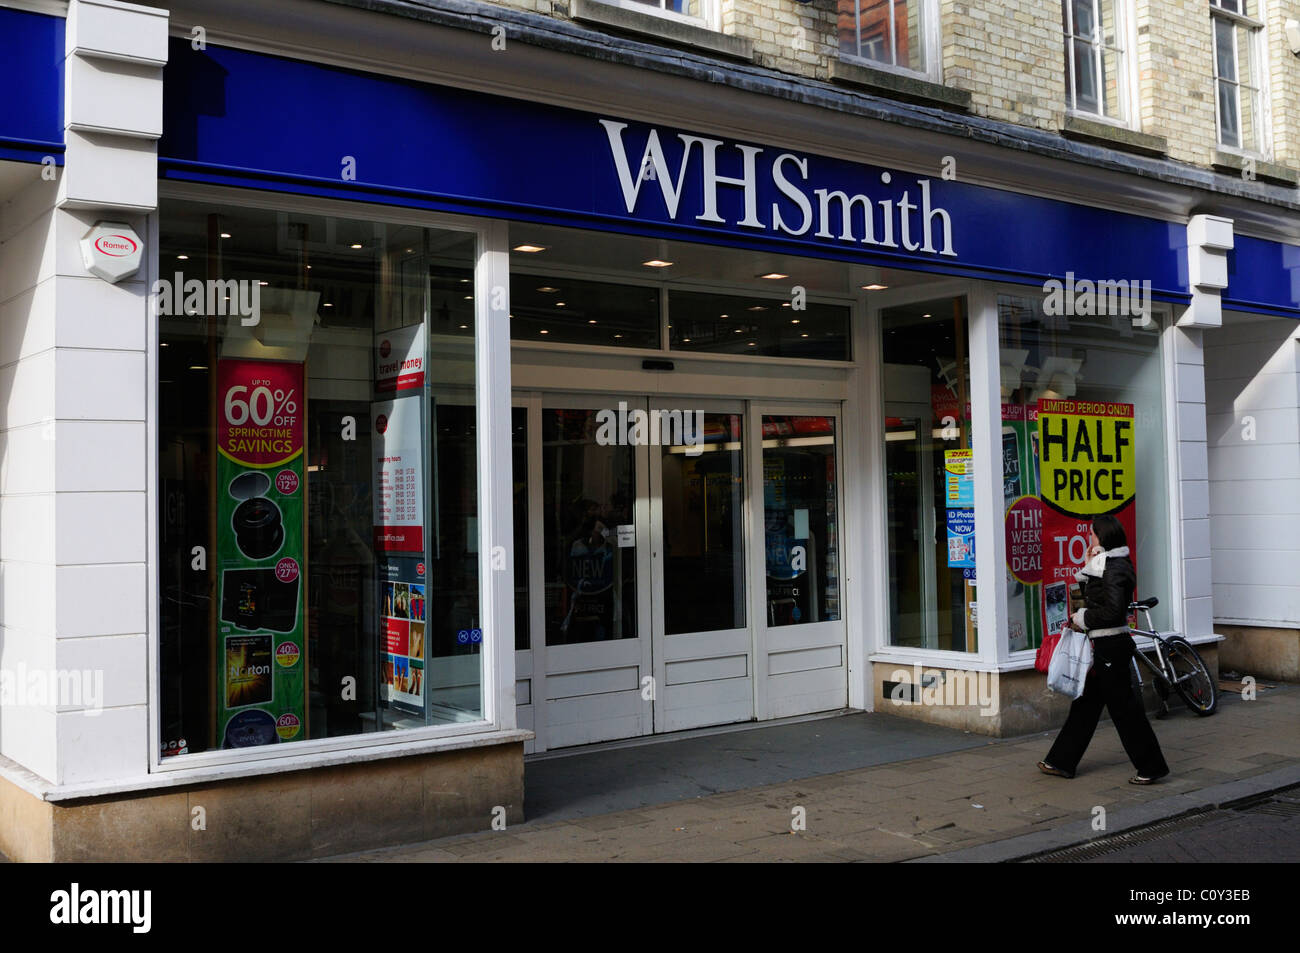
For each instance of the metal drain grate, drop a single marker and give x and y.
(1275, 808)
(1108, 845)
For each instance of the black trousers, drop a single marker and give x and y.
(1109, 683)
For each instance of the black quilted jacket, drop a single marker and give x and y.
(1106, 599)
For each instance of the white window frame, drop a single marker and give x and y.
(931, 52)
(1126, 46)
(1258, 78)
(710, 18)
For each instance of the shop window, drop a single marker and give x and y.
(1238, 75)
(929, 477)
(1096, 58)
(1083, 433)
(558, 310)
(801, 521)
(318, 477)
(891, 33)
(748, 324)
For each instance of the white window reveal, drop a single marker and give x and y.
(695, 12)
(1097, 58)
(1238, 75)
(896, 34)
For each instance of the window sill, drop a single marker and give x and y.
(1269, 171)
(176, 777)
(1103, 133)
(661, 28)
(897, 86)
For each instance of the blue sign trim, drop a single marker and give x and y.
(1263, 277)
(31, 114)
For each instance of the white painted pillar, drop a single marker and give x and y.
(100, 478)
(495, 476)
(986, 432)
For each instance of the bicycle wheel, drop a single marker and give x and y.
(1191, 678)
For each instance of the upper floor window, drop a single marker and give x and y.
(1238, 86)
(1096, 58)
(892, 33)
(696, 11)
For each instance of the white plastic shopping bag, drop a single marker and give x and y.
(1070, 663)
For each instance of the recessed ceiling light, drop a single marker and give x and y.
(543, 331)
(163, 344)
(559, 304)
(409, 250)
(617, 336)
(785, 304)
(530, 249)
(225, 234)
(686, 340)
(724, 315)
(753, 344)
(198, 367)
(927, 315)
(774, 274)
(309, 267)
(874, 287)
(182, 257)
(356, 245)
(328, 304)
(803, 335)
(740, 330)
(794, 320)
(591, 320)
(464, 326)
(656, 263)
(547, 289)
(757, 307)
(264, 283)
(469, 297)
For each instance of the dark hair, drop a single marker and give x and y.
(1110, 532)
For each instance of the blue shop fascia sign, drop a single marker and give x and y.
(249, 119)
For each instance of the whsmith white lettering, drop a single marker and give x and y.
(859, 218)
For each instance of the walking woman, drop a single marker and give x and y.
(1107, 581)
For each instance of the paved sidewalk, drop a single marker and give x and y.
(982, 803)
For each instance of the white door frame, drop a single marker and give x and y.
(571, 660)
(805, 637)
(699, 648)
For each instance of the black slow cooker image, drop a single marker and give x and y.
(258, 528)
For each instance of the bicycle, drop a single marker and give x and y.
(1177, 666)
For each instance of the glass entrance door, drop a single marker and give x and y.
(702, 642)
(801, 636)
(595, 565)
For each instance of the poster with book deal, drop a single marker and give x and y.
(260, 557)
(1087, 468)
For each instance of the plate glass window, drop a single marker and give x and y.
(1096, 79)
(318, 531)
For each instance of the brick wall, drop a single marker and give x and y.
(1009, 54)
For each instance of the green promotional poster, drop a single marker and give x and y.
(261, 487)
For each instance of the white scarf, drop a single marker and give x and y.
(1096, 566)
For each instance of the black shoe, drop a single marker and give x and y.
(1046, 768)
